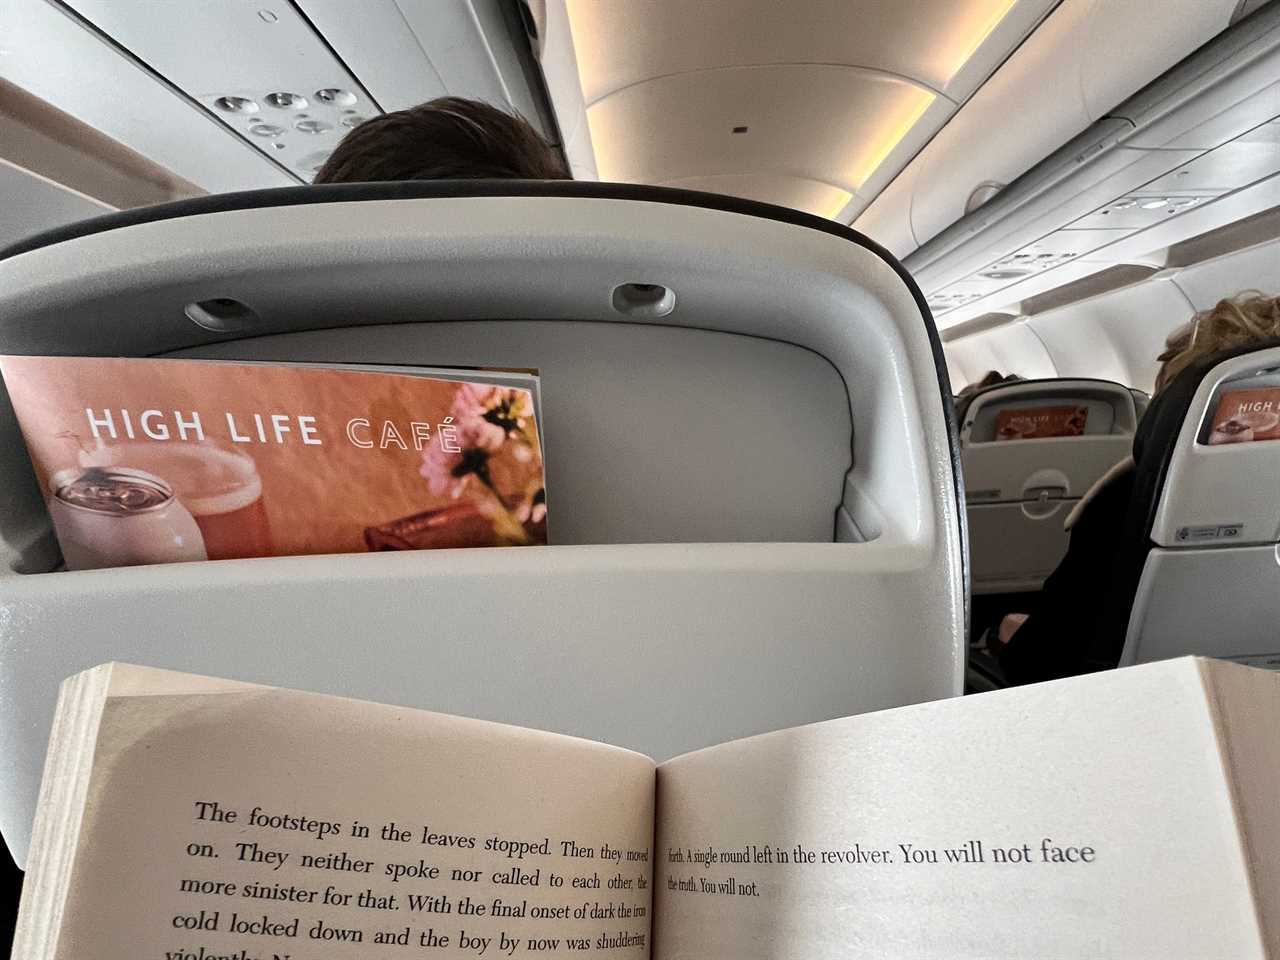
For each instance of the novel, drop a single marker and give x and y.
(1131, 814)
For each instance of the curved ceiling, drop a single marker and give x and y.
(823, 124)
(926, 40)
(815, 111)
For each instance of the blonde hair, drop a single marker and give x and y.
(1249, 317)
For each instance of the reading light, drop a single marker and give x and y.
(236, 105)
(286, 101)
(336, 96)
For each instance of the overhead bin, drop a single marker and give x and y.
(1118, 334)
(1031, 450)
(817, 111)
(752, 478)
(1188, 153)
(1092, 53)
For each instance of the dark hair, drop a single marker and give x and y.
(448, 138)
(1249, 317)
(989, 379)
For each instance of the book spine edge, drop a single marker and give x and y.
(1229, 760)
(56, 829)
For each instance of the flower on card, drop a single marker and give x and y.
(492, 415)
(486, 421)
(533, 509)
(441, 469)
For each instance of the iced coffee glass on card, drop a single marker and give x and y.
(221, 489)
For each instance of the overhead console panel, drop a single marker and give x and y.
(273, 82)
(53, 55)
(240, 95)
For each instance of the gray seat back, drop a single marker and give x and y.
(750, 469)
(1025, 467)
(1209, 584)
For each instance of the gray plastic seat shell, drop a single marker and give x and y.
(661, 647)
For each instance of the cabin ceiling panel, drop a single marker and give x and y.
(818, 123)
(835, 92)
(624, 42)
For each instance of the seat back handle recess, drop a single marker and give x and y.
(222, 315)
(645, 300)
(1043, 492)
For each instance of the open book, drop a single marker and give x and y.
(1132, 814)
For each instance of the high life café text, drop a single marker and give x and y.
(266, 428)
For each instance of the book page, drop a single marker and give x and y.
(1083, 818)
(252, 822)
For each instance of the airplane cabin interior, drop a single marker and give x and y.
(863, 357)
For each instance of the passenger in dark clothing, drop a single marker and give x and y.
(1054, 639)
(1061, 635)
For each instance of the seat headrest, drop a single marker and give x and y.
(1113, 410)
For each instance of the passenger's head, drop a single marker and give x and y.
(988, 379)
(445, 139)
(1237, 321)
